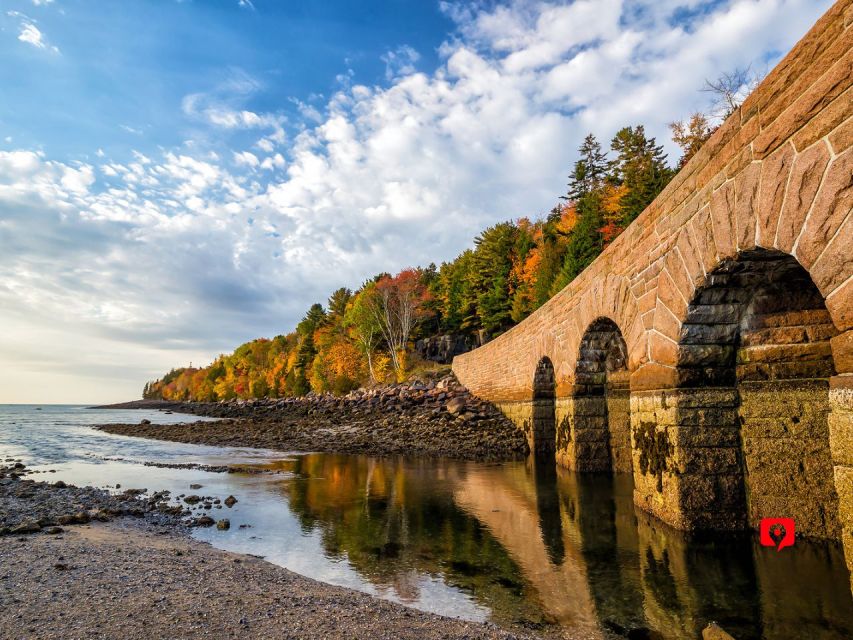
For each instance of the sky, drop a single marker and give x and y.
(180, 176)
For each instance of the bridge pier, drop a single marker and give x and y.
(841, 448)
(721, 458)
(685, 450)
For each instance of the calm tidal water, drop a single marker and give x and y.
(513, 542)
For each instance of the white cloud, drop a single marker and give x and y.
(224, 106)
(246, 159)
(273, 162)
(31, 34)
(400, 62)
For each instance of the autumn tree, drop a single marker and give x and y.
(396, 307)
(364, 324)
(337, 363)
(690, 135)
(525, 263)
(611, 212)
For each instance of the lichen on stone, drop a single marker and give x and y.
(564, 433)
(654, 448)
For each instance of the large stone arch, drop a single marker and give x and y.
(795, 203)
(743, 432)
(760, 332)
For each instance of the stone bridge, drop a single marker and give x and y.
(709, 349)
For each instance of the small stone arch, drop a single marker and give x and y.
(544, 428)
(612, 298)
(601, 436)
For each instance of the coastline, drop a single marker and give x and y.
(109, 574)
(435, 420)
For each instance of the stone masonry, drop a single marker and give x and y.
(709, 349)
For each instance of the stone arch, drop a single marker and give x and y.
(751, 435)
(601, 401)
(612, 298)
(544, 427)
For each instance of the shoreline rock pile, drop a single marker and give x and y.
(445, 393)
(425, 418)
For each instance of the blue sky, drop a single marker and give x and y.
(128, 65)
(177, 177)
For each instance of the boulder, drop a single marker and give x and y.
(28, 526)
(224, 524)
(455, 406)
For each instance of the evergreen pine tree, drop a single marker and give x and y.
(640, 166)
(590, 171)
(313, 320)
(585, 242)
(488, 277)
(338, 303)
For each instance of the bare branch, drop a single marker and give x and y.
(730, 89)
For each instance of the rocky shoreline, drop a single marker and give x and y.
(427, 419)
(28, 506)
(122, 566)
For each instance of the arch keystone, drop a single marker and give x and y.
(775, 171)
(746, 188)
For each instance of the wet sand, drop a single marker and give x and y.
(125, 579)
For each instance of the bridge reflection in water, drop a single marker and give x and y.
(549, 548)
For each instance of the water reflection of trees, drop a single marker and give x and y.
(394, 520)
(540, 544)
